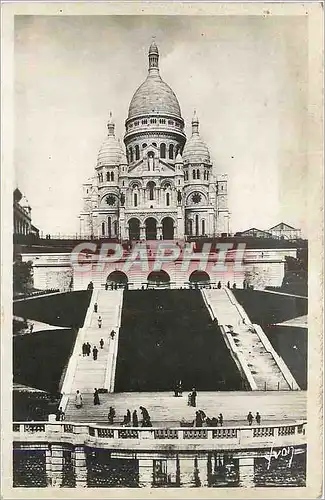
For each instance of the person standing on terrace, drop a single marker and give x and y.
(78, 400)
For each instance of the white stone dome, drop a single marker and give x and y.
(154, 96)
(195, 149)
(110, 152)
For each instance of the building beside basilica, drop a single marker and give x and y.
(163, 186)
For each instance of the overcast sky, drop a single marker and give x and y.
(245, 75)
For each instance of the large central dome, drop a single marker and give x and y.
(154, 96)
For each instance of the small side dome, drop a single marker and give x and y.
(178, 158)
(195, 149)
(110, 150)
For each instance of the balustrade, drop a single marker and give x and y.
(255, 434)
(224, 433)
(263, 431)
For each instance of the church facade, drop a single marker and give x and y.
(162, 185)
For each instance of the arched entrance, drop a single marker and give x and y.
(117, 279)
(199, 279)
(168, 228)
(134, 229)
(158, 279)
(151, 229)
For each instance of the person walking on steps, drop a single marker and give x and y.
(96, 397)
(135, 420)
(95, 353)
(84, 349)
(99, 321)
(112, 334)
(95, 307)
(88, 349)
(250, 418)
(78, 400)
(101, 343)
(258, 418)
(111, 415)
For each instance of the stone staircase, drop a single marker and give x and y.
(89, 373)
(167, 410)
(260, 362)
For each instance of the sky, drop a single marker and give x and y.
(246, 77)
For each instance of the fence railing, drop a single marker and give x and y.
(235, 435)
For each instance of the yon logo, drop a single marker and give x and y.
(287, 451)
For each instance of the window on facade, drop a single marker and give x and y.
(136, 123)
(151, 187)
(194, 174)
(112, 176)
(207, 176)
(109, 226)
(171, 151)
(115, 228)
(204, 175)
(162, 150)
(203, 226)
(144, 145)
(154, 144)
(198, 174)
(170, 122)
(103, 228)
(108, 176)
(167, 199)
(137, 152)
(131, 154)
(135, 199)
(221, 187)
(196, 225)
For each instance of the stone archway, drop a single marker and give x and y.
(151, 228)
(168, 228)
(134, 229)
(117, 279)
(158, 279)
(199, 278)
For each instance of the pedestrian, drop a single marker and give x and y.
(145, 416)
(101, 343)
(193, 397)
(59, 416)
(99, 321)
(95, 353)
(176, 390)
(203, 416)
(112, 334)
(135, 421)
(250, 418)
(220, 419)
(180, 388)
(106, 286)
(78, 400)
(198, 419)
(128, 416)
(258, 418)
(219, 285)
(214, 422)
(84, 349)
(88, 349)
(111, 415)
(96, 397)
(95, 307)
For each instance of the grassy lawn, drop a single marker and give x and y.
(40, 358)
(291, 344)
(266, 308)
(64, 309)
(167, 335)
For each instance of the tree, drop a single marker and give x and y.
(22, 276)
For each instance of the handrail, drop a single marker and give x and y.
(242, 435)
(69, 375)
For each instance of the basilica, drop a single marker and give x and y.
(162, 185)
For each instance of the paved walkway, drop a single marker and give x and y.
(165, 409)
(254, 356)
(90, 373)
